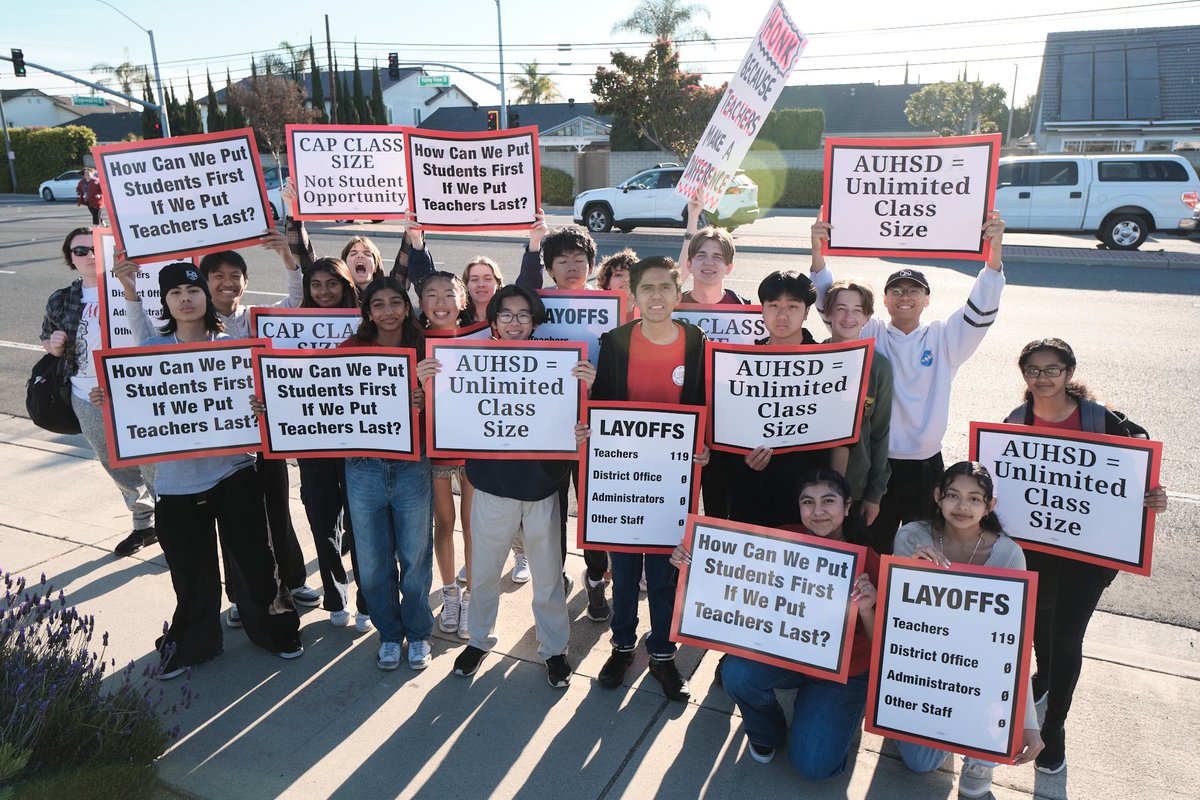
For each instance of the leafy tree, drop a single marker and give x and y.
(378, 109)
(956, 108)
(125, 74)
(216, 119)
(150, 120)
(665, 19)
(234, 119)
(534, 85)
(270, 104)
(664, 104)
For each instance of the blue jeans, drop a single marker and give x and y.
(392, 506)
(661, 578)
(923, 758)
(825, 715)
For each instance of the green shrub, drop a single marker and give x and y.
(44, 153)
(788, 188)
(792, 129)
(558, 188)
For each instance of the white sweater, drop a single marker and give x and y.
(925, 362)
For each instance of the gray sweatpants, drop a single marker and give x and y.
(136, 483)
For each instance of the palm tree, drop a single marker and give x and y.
(298, 59)
(126, 74)
(534, 85)
(665, 19)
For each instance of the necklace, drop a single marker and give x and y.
(971, 560)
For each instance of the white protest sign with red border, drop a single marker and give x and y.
(788, 398)
(638, 478)
(187, 195)
(115, 330)
(727, 323)
(749, 97)
(910, 197)
(950, 665)
(348, 171)
(769, 595)
(477, 181)
(580, 316)
(303, 328)
(174, 401)
(1073, 494)
(353, 401)
(510, 399)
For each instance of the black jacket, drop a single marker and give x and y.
(612, 367)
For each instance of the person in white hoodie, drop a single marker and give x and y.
(925, 357)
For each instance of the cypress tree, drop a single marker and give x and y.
(191, 111)
(360, 100)
(150, 119)
(318, 90)
(378, 110)
(234, 118)
(216, 120)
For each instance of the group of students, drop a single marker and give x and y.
(888, 491)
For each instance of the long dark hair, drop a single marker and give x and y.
(338, 269)
(460, 292)
(1063, 350)
(979, 473)
(66, 245)
(410, 335)
(854, 530)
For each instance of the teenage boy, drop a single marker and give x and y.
(655, 359)
(512, 496)
(569, 256)
(227, 278)
(850, 304)
(707, 255)
(925, 357)
(763, 484)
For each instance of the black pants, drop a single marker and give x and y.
(323, 491)
(909, 498)
(188, 527)
(281, 533)
(596, 561)
(95, 215)
(1068, 592)
(714, 484)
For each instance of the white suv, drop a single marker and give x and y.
(1122, 198)
(649, 199)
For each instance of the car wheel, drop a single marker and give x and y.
(1124, 232)
(598, 219)
(48, 195)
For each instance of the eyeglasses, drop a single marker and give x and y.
(1049, 372)
(523, 317)
(914, 292)
(82, 251)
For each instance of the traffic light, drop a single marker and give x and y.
(18, 61)
(394, 66)
(493, 120)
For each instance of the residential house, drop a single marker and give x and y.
(32, 107)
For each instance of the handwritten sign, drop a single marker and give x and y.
(303, 328)
(950, 663)
(1076, 495)
(348, 171)
(910, 197)
(788, 398)
(725, 323)
(580, 317)
(638, 480)
(186, 195)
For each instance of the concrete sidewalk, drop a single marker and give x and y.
(331, 725)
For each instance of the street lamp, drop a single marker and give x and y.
(162, 105)
(500, 38)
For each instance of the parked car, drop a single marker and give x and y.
(1121, 198)
(62, 187)
(274, 177)
(649, 199)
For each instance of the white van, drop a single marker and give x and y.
(1122, 198)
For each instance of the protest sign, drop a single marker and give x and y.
(769, 595)
(348, 171)
(580, 317)
(638, 479)
(724, 323)
(355, 401)
(175, 401)
(115, 329)
(804, 397)
(477, 181)
(950, 664)
(186, 195)
(910, 197)
(503, 399)
(303, 328)
(478, 330)
(1076, 495)
(749, 97)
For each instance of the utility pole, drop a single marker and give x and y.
(329, 72)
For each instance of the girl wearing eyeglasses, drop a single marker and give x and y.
(1068, 590)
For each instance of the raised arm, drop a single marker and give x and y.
(967, 326)
(531, 261)
(695, 210)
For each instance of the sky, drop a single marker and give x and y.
(849, 42)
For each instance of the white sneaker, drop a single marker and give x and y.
(233, 619)
(339, 619)
(975, 780)
(463, 633)
(419, 654)
(306, 596)
(520, 572)
(448, 619)
(362, 623)
(389, 656)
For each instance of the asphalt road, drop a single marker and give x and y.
(1135, 330)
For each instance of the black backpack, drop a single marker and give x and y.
(48, 400)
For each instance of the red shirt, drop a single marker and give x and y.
(655, 370)
(1071, 423)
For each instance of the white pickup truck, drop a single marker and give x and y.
(1122, 198)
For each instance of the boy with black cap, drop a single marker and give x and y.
(925, 357)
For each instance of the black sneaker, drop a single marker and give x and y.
(761, 752)
(597, 607)
(1053, 757)
(613, 671)
(673, 684)
(468, 661)
(558, 672)
(136, 541)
